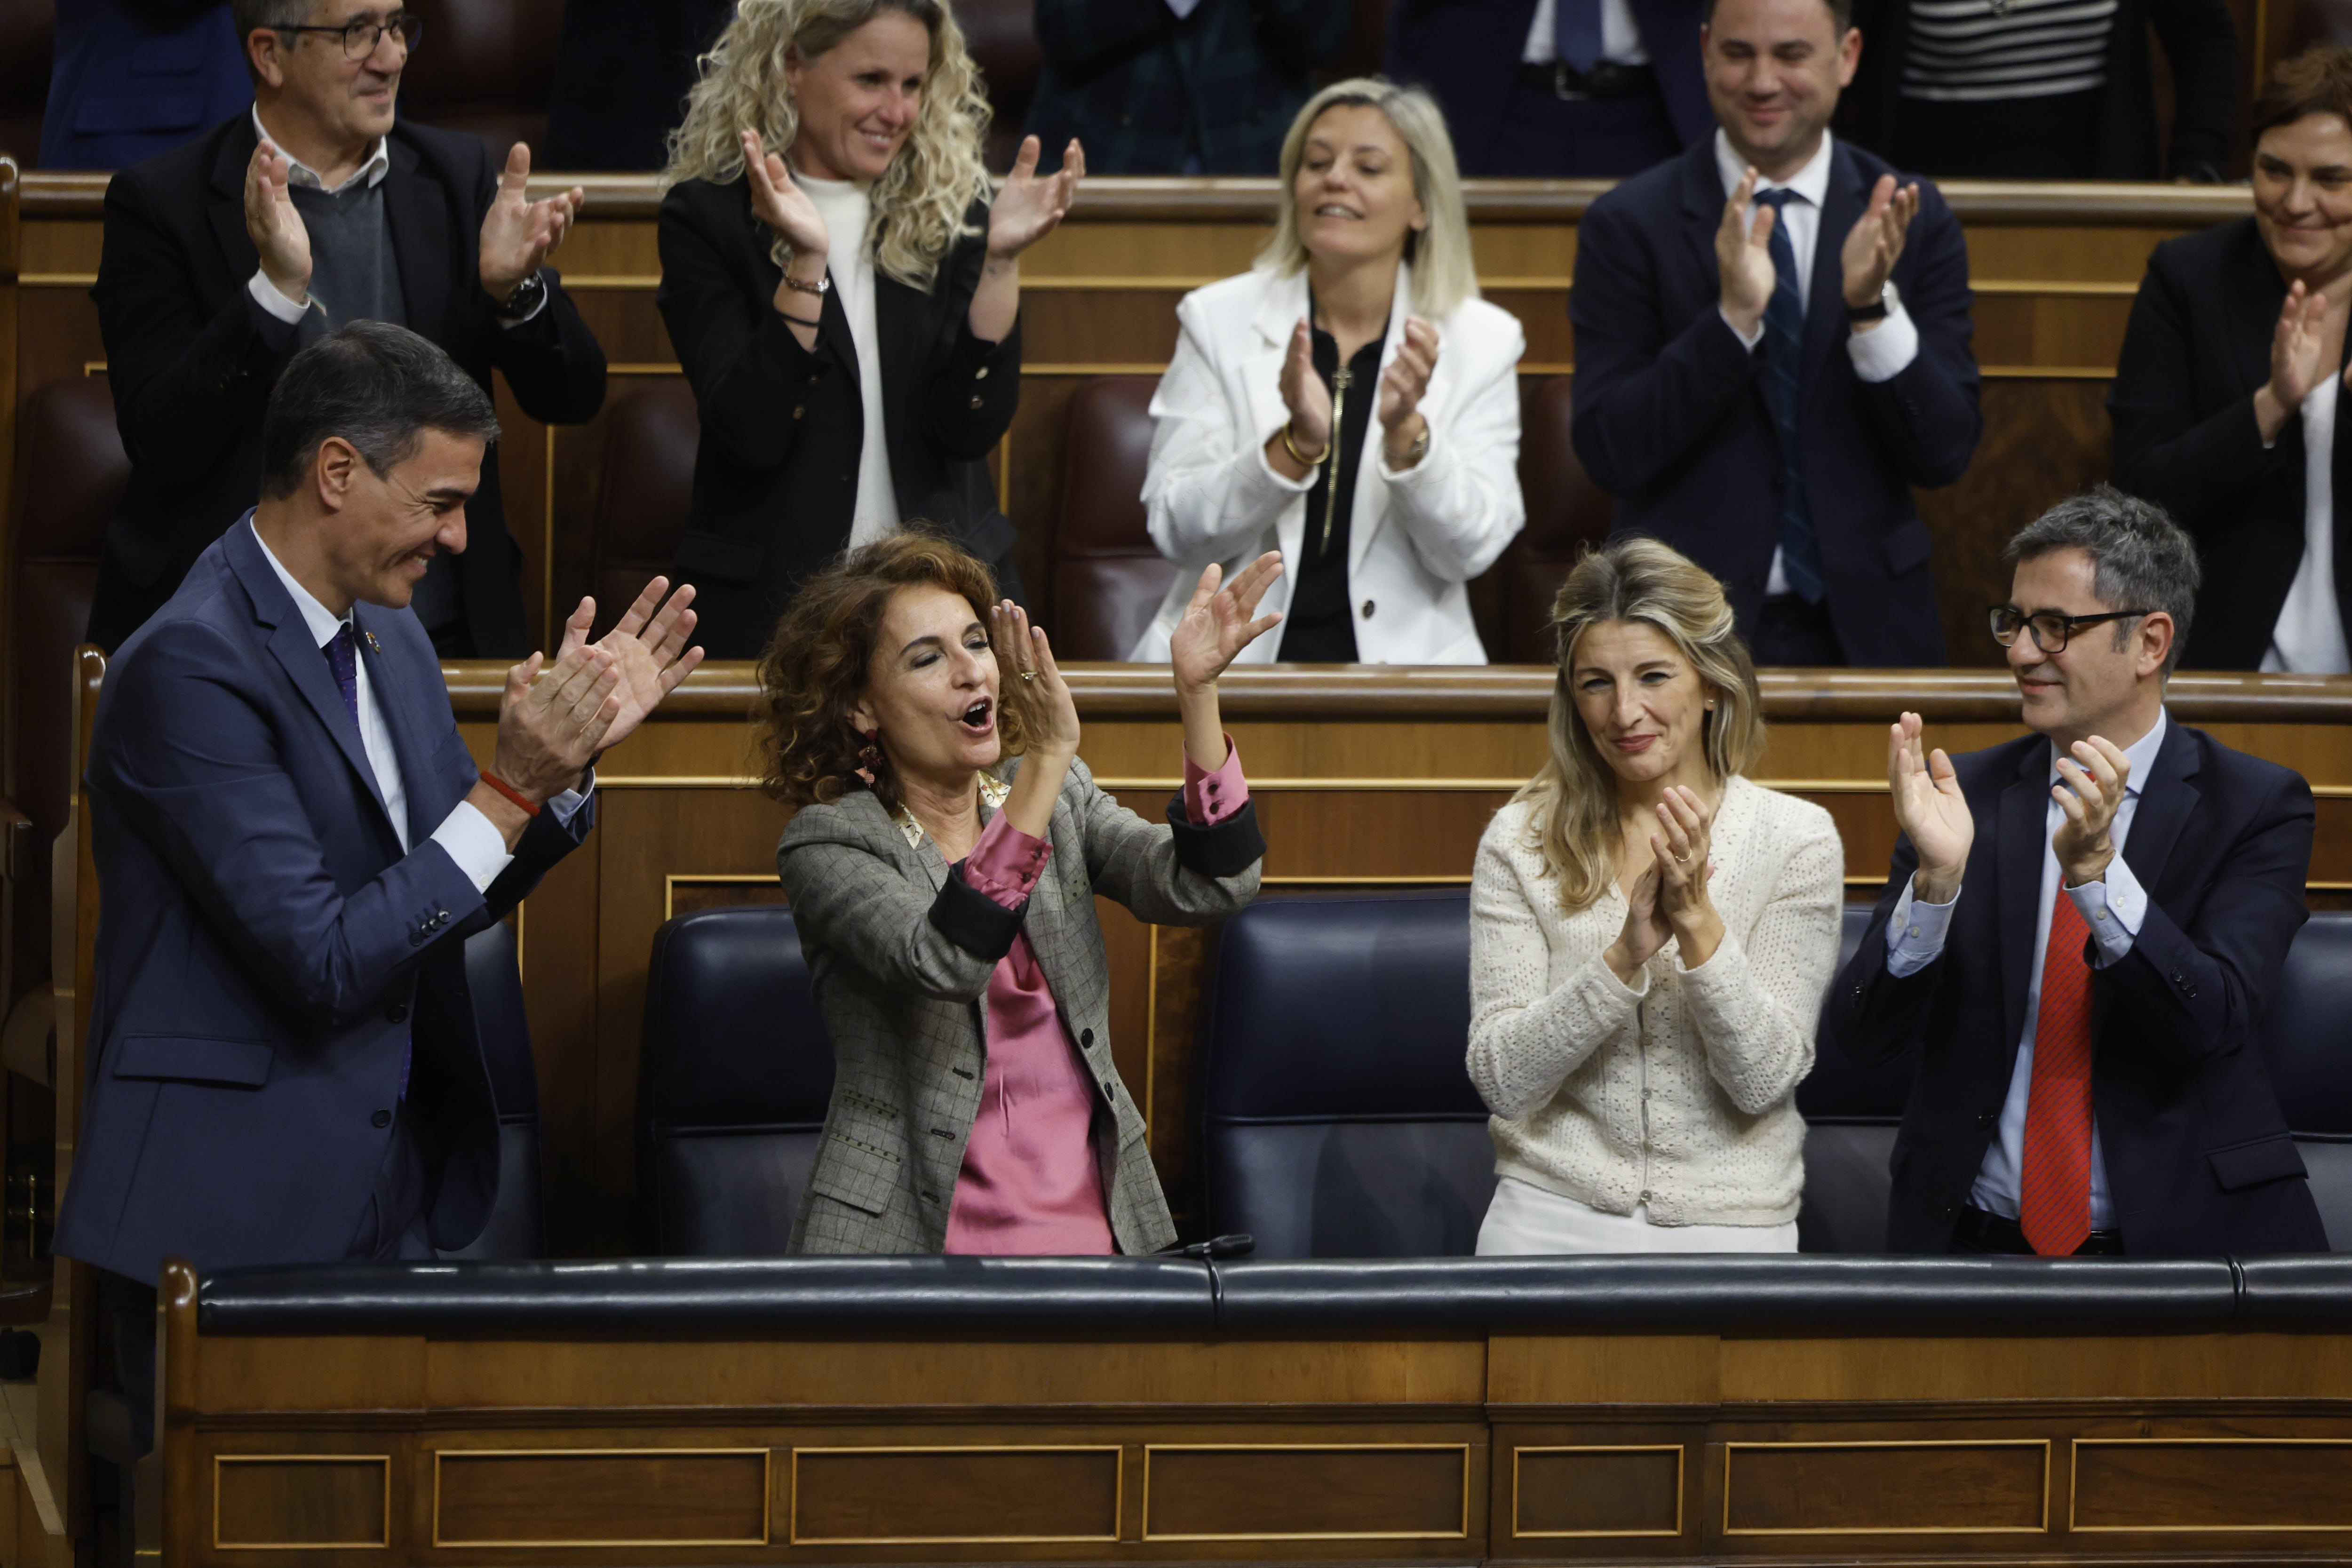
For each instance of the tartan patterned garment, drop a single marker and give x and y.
(1141, 89)
(905, 1003)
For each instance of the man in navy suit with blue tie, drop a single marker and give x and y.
(293, 843)
(1772, 348)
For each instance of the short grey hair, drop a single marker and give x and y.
(2141, 559)
(377, 385)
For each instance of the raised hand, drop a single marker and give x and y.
(647, 648)
(2095, 775)
(1875, 241)
(518, 234)
(1030, 683)
(1216, 624)
(780, 203)
(275, 225)
(1304, 394)
(1931, 810)
(1026, 208)
(1402, 385)
(1680, 852)
(1743, 256)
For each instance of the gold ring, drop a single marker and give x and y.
(1028, 675)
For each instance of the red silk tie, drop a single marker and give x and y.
(2055, 1188)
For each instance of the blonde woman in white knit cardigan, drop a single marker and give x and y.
(1652, 933)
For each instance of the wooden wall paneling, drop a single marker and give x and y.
(683, 1493)
(968, 1494)
(1865, 1487)
(1611, 1490)
(2217, 1484)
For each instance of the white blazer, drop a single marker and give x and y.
(1415, 537)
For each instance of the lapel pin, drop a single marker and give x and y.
(374, 646)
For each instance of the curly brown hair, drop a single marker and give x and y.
(821, 654)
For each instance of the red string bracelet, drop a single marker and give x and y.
(511, 793)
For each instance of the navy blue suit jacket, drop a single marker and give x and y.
(265, 951)
(1467, 53)
(2199, 1157)
(132, 78)
(1670, 417)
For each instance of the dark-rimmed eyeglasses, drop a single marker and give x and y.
(2052, 631)
(361, 38)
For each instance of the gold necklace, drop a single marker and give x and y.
(1339, 380)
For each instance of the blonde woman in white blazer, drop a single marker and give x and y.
(1349, 402)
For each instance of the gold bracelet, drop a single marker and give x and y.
(1299, 457)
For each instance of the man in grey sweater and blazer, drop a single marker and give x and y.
(312, 209)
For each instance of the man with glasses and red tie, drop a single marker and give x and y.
(2080, 932)
(313, 208)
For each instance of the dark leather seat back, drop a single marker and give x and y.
(70, 477)
(645, 492)
(1851, 1115)
(1339, 1118)
(1565, 512)
(1108, 581)
(1002, 37)
(736, 1072)
(26, 29)
(2307, 1036)
(517, 1224)
(487, 66)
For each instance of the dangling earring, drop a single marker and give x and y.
(869, 757)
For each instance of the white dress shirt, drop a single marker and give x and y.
(379, 163)
(847, 208)
(1621, 35)
(478, 848)
(2309, 637)
(2113, 908)
(1880, 354)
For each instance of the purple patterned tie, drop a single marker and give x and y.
(344, 659)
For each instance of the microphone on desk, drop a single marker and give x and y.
(1241, 1244)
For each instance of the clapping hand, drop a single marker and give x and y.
(1680, 849)
(1304, 394)
(2094, 789)
(1743, 256)
(779, 202)
(275, 226)
(1216, 624)
(1931, 810)
(1875, 242)
(552, 719)
(518, 234)
(1030, 683)
(1403, 386)
(647, 650)
(1644, 931)
(1026, 208)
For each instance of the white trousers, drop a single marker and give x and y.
(1526, 1221)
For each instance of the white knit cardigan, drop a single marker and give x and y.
(1679, 1095)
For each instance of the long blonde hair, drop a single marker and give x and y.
(920, 200)
(1574, 822)
(1443, 274)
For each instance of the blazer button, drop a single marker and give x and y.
(382, 1119)
(975, 403)
(1085, 1037)
(981, 374)
(813, 378)
(798, 412)
(1368, 609)
(396, 1012)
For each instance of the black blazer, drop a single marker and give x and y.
(1670, 417)
(192, 360)
(2200, 46)
(2198, 1153)
(2197, 351)
(775, 477)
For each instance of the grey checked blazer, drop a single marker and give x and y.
(900, 953)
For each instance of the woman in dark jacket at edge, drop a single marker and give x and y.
(842, 296)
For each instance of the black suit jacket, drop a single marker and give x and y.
(2199, 1157)
(1670, 417)
(2197, 351)
(775, 477)
(192, 360)
(1467, 53)
(2201, 47)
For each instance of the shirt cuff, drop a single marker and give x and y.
(567, 805)
(478, 848)
(2113, 908)
(1747, 340)
(1213, 797)
(1916, 932)
(1883, 353)
(1004, 865)
(265, 295)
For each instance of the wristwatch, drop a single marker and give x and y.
(1877, 311)
(523, 300)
